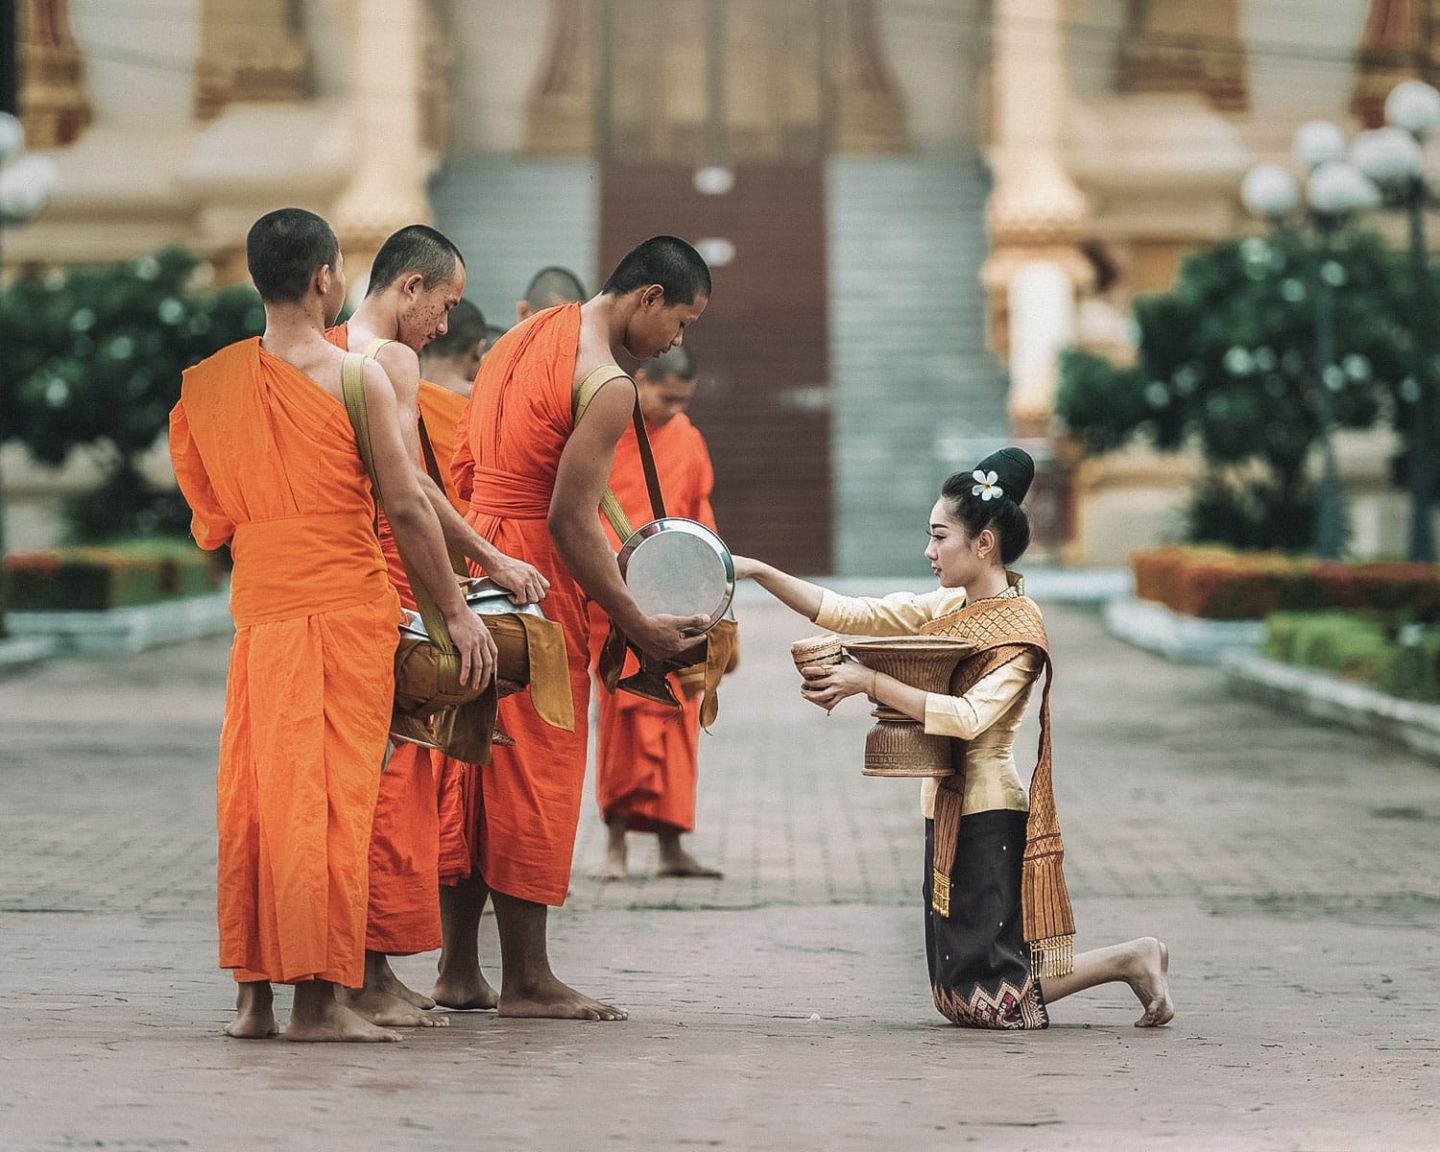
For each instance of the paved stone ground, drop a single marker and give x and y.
(1292, 869)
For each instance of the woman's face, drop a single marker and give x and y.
(956, 559)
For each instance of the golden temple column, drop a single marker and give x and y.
(1399, 43)
(250, 50)
(53, 102)
(1036, 214)
(387, 190)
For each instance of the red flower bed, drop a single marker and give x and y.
(1217, 585)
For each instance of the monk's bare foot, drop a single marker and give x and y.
(383, 979)
(465, 993)
(319, 1018)
(386, 1011)
(549, 999)
(678, 862)
(1149, 978)
(254, 1012)
(617, 854)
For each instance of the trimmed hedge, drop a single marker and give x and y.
(96, 579)
(1403, 661)
(1214, 584)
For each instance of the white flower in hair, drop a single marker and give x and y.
(985, 485)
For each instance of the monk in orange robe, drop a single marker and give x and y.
(534, 477)
(265, 455)
(416, 280)
(646, 752)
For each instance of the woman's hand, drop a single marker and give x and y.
(745, 568)
(848, 678)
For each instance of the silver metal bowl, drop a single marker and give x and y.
(485, 598)
(678, 567)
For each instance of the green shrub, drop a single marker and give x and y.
(96, 579)
(1403, 661)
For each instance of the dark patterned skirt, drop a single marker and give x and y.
(979, 961)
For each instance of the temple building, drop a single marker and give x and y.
(910, 206)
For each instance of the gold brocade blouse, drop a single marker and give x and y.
(987, 716)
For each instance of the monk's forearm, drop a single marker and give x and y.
(791, 591)
(459, 536)
(582, 545)
(422, 546)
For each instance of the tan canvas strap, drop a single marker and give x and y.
(352, 380)
(609, 505)
(374, 346)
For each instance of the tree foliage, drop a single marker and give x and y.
(1227, 363)
(93, 361)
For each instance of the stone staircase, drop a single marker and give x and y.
(911, 374)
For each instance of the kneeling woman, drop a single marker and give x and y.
(998, 929)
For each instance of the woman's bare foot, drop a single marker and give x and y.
(318, 1017)
(383, 979)
(1148, 976)
(675, 861)
(465, 994)
(254, 1012)
(386, 1011)
(552, 1000)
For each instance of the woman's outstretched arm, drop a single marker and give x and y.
(791, 591)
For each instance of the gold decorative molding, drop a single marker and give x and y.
(1397, 44)
(560, 114)
(715, 82)
(250, 50)
(1170, 47)
(53, 102)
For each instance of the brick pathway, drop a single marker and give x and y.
(1293, 870)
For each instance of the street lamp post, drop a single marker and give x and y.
(27, 182)
(1393, 158)
(1335, 190)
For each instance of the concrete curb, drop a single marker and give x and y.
(1331, 700)
(20, 652)
(125, 629)
(1183, 639)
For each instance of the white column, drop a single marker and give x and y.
(388, 189)
(1042, 324)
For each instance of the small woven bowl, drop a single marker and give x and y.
(816, 651)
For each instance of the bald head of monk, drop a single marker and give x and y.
(295, 262)
(548, 288)
(418, 276)
(666, 385)
(453, 359)
(660, 287)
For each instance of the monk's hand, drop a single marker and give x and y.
(525, 583)
(849, 678)
(475, 647)
(672, 638)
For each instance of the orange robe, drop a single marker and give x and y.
(268, 462)
(404, 912)
(515, 427)
(646, 752)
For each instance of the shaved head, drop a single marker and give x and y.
(679, 362)
(415, 248)
(466, 329)
(552, 286)
(284, 250)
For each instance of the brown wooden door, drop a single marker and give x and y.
(764, 401)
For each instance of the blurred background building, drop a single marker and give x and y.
(910, 206)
